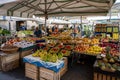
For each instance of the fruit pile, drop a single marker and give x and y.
(112, 45)
(94, 41)
(94, 50)
(112, 51)
(69, 47)
(87, 49)
(51, 44)
(28, 39)
(47, 56)
(46, 48)
(86, 40)
(54, 50)
(81, 48)
(65, 52)
(108, 63)
(11, 41)
(60, 46)
(90, 41)
(23, 44)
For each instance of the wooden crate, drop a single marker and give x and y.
(42, 79)
(63, 71)
(48, 74)
(65, 61)
(65, 68)
(99, 76)
(31, 71)
(25, 53)
(9, 61)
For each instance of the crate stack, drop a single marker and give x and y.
(65, 68)
(41, 73)
(24, 52)
(31, 71)
(9, 61)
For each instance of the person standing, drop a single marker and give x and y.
(53, 28)
(38, 33)
(48, 32)
(22, 27)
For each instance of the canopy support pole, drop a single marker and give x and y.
(110, 15)
(10, 24)
(81, 26)
(46, 16)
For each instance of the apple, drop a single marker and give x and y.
(63, 51)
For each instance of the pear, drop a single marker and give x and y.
(114, 66)
(108, 65)
(105, 59)
(113, 69)
(112, 60)
(103, 67)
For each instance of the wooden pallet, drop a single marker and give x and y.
(98, 76)
(31, 71)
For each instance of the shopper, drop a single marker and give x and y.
(56, 30)
(48, 32)
(38, 33)
(53, 28)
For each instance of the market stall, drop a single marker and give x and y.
(50, 59)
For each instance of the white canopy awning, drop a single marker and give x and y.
(27, 8)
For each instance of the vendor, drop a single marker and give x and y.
(38, 33)
(22, 27)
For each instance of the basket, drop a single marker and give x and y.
(9, 51)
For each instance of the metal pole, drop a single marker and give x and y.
(10, 24)
(46, 16)
(81, 25)
(110, 15)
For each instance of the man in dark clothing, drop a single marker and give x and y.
(53, 29)
(48, 32)
(23, 28)
(38, 32)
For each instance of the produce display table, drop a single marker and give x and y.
(38, 69)
(49, 65)
(9, 61)
(105, 75)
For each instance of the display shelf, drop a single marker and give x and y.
(110, 73)
(110, 29)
